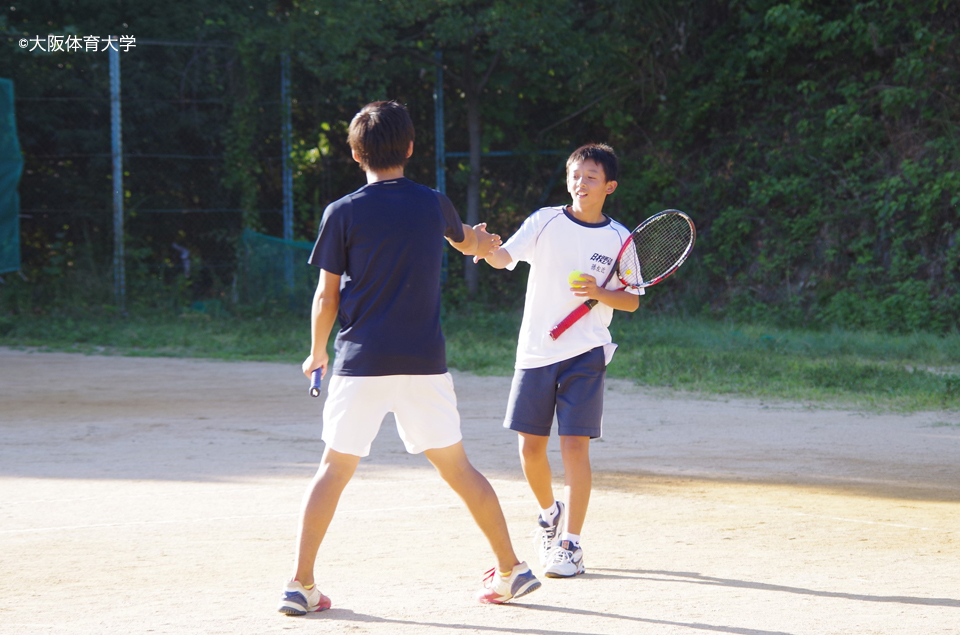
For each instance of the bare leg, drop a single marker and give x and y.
(474, 489)
(577, 480)
(319, 504)
(536, 467)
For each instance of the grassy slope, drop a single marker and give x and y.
(907, 372)
(868, 370)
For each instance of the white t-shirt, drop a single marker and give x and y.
(555, 243)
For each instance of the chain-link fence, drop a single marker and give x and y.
(184, 207)
(202, 133)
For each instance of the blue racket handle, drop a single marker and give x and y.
(315, 377)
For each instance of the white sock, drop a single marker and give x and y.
(573, 538)
(550, 513)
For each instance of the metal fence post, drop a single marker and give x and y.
(439, 146)
(287, 170)
(119, 274)
(438, 125)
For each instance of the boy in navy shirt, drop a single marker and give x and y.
(379, 251)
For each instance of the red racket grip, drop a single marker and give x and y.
(568, 321)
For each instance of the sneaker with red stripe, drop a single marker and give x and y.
(498, 589)
(297, 600)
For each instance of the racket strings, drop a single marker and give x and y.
(656, 249)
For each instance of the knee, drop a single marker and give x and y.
(452, 466)
(575, 448)
(453, 472)
(532, 452)
(331, 473)
(462, 478)
(337, 468)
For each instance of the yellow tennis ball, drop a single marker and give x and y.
(574, 278)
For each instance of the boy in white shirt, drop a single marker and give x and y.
(565, 375)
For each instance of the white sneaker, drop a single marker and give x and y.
(298, 601)
(547, 535)
(566, 561)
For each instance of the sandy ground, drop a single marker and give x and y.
(160, 496)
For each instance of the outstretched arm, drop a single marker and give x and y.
(498, 259)
(476, 241)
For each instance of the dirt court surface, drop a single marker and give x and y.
(161, 495)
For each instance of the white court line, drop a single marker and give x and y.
(870, 522)
(239, 488)
(853, 520)
(152, 495)
(140, 523)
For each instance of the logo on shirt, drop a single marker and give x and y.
(601, 259)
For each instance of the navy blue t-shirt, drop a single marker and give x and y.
(386, 242)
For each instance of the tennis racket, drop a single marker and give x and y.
(315, 378)
(655, 249)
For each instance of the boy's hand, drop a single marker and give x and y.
(586, 287)
(313, 362)
(487, 243)
(621, 300)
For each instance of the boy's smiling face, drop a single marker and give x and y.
(588, 185)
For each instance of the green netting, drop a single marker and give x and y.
(274, 272)
(11, 165)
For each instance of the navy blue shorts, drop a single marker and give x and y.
(572, 388)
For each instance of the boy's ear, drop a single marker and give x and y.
(410, 150)
(356, 157)
(610, 187)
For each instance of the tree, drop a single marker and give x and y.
(491, 49)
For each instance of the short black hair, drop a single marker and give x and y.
(380, 134)
(600, 153)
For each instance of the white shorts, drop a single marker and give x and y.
(425, 407)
